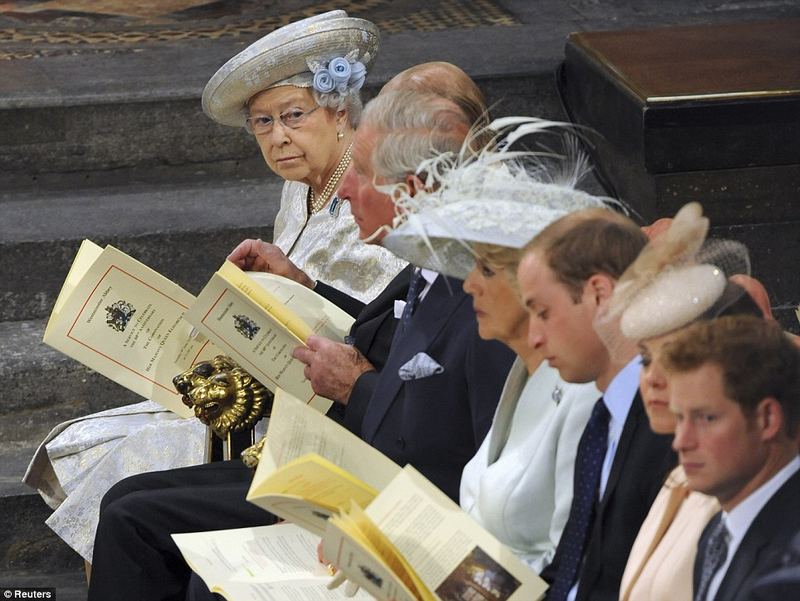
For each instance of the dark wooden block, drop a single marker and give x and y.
(681, 100)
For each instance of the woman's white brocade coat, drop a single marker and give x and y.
(519, 484)
(81, 459)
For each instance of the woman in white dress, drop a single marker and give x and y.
(484, 210)
(297, 91)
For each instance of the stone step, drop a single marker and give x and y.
(123, 134)
(27, 543)
(183, 230)
(129, 114)
(26, 185)
(32, 555)
(46, 387)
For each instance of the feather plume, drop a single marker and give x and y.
(492, 195)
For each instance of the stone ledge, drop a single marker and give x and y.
(28, 544)
(181, 231)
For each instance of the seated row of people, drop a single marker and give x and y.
(139, 513)
(566, 460)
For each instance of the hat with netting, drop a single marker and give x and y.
(679, 277)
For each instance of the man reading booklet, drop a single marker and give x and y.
(434, 419)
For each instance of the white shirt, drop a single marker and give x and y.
(429, 277)
(739, 519)
(618, 399)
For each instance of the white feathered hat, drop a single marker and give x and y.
(494, 196)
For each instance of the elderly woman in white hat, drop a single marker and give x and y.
(473, 226)
(297, 91)
(678, 279)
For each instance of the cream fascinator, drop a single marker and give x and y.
(678, 277)
(493, 196)
(329, 52)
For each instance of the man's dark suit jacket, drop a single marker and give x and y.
(762, 547)
(436, 423)
(641, 464)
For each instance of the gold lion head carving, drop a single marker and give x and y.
(223, 395)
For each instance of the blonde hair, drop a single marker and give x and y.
(501, 259)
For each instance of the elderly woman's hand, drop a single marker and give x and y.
(257, 255)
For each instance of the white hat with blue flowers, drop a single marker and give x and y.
(329, 52)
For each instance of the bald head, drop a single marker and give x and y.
(445, 80)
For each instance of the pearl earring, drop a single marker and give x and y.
(339, 136)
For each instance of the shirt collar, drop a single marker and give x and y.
(738, 520)
(621, 391)
(428, 275)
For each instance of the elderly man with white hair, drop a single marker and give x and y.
(424, 394)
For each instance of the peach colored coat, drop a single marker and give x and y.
(661, 561)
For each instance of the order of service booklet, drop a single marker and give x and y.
(387, 529)
(311, 467)
(414, 543)
(125, 321)
(134, 326)
(267, 563)
(258, 319)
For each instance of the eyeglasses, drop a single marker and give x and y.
(260, 125)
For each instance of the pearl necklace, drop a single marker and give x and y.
(316, 203)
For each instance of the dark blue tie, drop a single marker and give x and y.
(588, 465)
(415, 288)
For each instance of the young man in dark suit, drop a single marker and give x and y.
(566, 278)
(735, 389)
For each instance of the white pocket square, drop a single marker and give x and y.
(420, 366)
